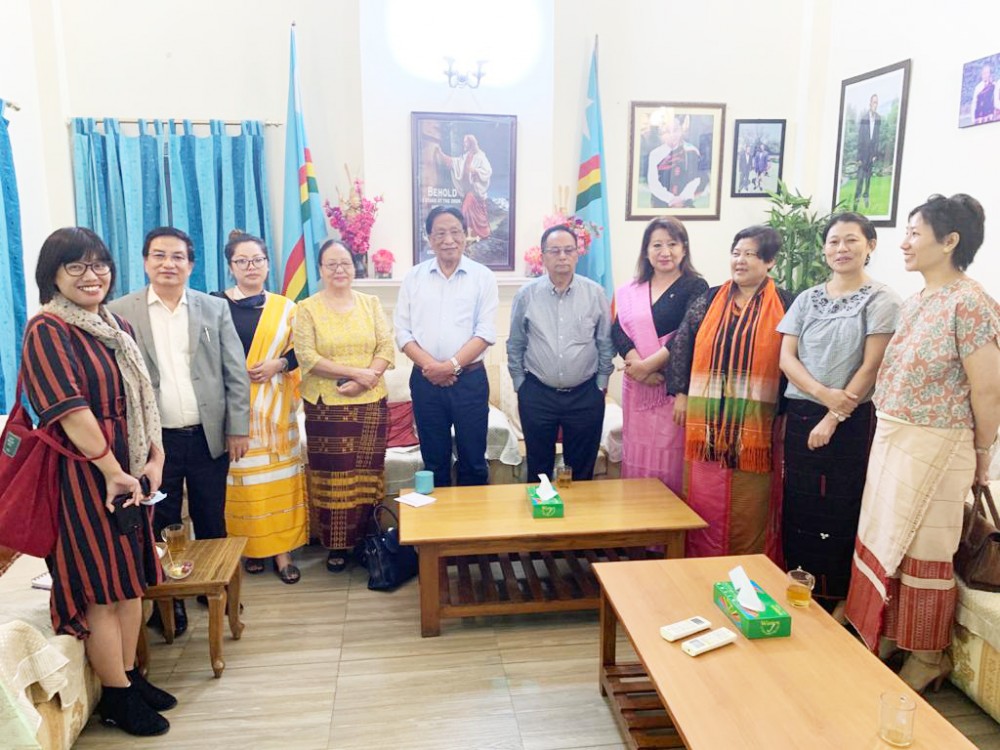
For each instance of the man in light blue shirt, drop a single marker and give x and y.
(560, 354)
(445, 319)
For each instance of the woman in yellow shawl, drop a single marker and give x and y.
(265, 499)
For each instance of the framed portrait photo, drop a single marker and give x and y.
(870, 142)
(980, 99)
(758, 157)
(468, 162)
(675, 160)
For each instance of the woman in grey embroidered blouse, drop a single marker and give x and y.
(834, 337)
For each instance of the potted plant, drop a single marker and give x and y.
(801, 264)
(383, 260)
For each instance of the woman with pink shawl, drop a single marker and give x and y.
(649, 310)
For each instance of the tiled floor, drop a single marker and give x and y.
(328, 664)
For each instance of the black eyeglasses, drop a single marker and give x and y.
(245, 263)
(100, 267)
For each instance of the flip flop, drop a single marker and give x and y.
(253, 565)
(336, 563)
(289, 574)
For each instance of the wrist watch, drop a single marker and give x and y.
(456, 366)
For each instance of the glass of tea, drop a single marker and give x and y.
(564, 477)
(800, 587)
(175, 535)
(896, 719)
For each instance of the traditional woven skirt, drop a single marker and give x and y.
(346, 449)
(652, 445)
(902, 579)
(822, 497)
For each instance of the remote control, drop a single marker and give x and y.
(709, 641)
(684, 628)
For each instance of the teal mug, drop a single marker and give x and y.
(423, 482)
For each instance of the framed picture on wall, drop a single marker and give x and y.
(466, 161)
(980, 100)
(758, 157)
(675, 160)
(870, 142)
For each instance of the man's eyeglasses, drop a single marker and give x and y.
(178, 259)
(561, 250)
(345, 264)
(455, 234)
(245, 263)
(101, 268)
(744, 254)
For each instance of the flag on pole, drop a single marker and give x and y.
(591, 188)
(303, 226)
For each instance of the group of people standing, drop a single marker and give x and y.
(752, 165)
(757, 409)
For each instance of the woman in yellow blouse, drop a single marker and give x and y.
(343, 343)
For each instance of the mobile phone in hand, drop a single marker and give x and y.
(127, 519)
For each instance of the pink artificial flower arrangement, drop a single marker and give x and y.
(383, 260)
(354, 218)
(533, 261)
(585, 232)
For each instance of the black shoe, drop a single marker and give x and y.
(155, 621)
(124, 708)
(156, 699)
(180, 618)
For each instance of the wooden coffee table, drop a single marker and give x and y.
(818, 688)
(506, 562)
(216, 575)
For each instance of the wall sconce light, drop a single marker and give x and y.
(468, 79)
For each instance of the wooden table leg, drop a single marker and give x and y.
(216, 611)
(166, 607)
(430, 590)
(609, 635)
(674, 547)
(233, 595)
(142, 649)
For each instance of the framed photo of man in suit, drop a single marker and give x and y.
(870, 142)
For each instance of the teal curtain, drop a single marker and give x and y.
(13, 314)
(167, 175)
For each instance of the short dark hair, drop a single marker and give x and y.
(168, 232)
(961, 214)
(558, 228)
(768, 241)
(851, 217)
(438, 210)
(678, 232)
(327, 245)
(238, 237)
(68, 245)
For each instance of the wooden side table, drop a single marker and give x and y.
(217, 576)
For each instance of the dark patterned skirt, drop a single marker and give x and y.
(822, 498)
(346, 450)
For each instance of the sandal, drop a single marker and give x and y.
(288, 574)
(335, 562)
(253, 565)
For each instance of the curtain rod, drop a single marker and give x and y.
(180, 121)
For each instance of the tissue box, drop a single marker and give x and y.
(773, 622)
(551, 508)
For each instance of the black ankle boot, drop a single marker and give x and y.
(156, 699)
(124, 708)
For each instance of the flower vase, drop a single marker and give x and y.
(383, 274)
(360, 265)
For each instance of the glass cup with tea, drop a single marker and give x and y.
(800, 587)
(175, 536)
(896, 712)
(564, 477)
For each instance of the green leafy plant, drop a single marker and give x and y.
(800, 264)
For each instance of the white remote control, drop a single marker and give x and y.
(709, 641)
(684, 628)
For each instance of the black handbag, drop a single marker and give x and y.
(977, 560)
(389, 563)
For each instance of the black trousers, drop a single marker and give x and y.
(578, 411)
(189, 461)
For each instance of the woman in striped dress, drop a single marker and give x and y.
(82, 370)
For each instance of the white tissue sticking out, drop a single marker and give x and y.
(545, 489)
(746, 594)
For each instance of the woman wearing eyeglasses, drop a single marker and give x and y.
(265, 496)
(723, 370)
(344, 344)
(82, 370)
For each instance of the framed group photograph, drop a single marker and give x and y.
(980, 99)
(675, 160)
(758, 157)
(870, 142)
(466, 161)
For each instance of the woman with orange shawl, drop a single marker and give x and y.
(265, 499)
(723, 371)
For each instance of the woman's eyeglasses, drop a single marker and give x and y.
(245, 263)
(100, 267)
(345, 264)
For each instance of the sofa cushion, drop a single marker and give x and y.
(402, 431)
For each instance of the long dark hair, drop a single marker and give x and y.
(678, 233)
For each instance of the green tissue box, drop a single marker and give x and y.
(773, 622)
(551, 508)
